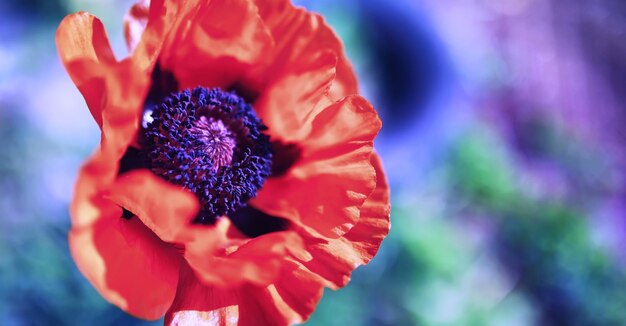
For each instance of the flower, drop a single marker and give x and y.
(235, 177)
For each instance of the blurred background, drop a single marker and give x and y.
(502, 140)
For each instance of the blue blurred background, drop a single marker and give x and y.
(502, 140)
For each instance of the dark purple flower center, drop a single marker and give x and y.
(210, 142)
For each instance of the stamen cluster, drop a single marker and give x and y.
(210, 142)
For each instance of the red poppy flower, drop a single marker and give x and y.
(235, 177)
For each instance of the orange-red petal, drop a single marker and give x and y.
(213, 43)
(291, 299)
(335, 259)
(88, 205)
(126, 88)
(291, 100)
(164, 208)
(84, 50)
(299, 34)
(119, 126)
(257, 261)
(124, 260)
(217, 257)
(326, 188)
(114, 91)
(296, 293)
(200, 304)
(127, 263)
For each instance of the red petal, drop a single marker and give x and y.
(199, 304)
(127, 264)
(87, 203)
(291, 100)
(334, 259)
(84, 50)
(299, 34)
(290, 300)
(126, 88)
(168, 210)
(214, 43)
(296, 293)
(326, 188)
(257, 261)
(114, 91)
(374, 224)
(164, 208)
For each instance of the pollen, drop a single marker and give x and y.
(210, 142)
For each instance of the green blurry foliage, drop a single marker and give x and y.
(480, 169)
(546, 243)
